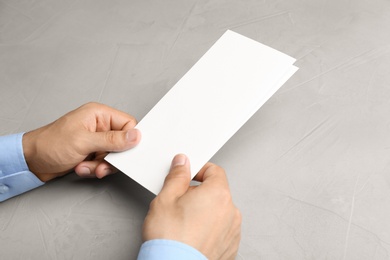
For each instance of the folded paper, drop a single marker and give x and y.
(205, 108)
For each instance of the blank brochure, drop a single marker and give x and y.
(205, 108)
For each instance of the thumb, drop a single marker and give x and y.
(178, 179)
(113, 141)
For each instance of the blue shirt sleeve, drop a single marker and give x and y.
(15, 177)
(162, 249)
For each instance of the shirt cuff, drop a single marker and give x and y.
(163, 249)
(15, 177)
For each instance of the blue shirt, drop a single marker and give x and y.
(15, 178)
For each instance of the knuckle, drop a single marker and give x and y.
(219, 172)
(133, 120)
(91, 104)
(178, 174)
(216, 168)
(110, 137)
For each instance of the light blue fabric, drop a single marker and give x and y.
(15, 177)
(162, 249)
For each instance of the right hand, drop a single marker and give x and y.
(203, 216)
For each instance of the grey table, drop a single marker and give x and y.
(310, 171)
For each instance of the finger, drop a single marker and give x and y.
(95, 168)
(109, 118)
(178, 179)
(212, 173)
(104, 169)
(86, 168)
(113, 141)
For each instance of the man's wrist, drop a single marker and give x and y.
(29, 151)
(28, 147)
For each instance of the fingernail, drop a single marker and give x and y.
(132, 135)
(84, 171)
(179, 160)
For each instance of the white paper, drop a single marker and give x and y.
(205, 108)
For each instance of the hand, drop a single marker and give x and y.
(79, 140)
(203, 216)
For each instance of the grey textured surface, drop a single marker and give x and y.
(310, 171)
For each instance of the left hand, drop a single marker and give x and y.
(80, 140)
